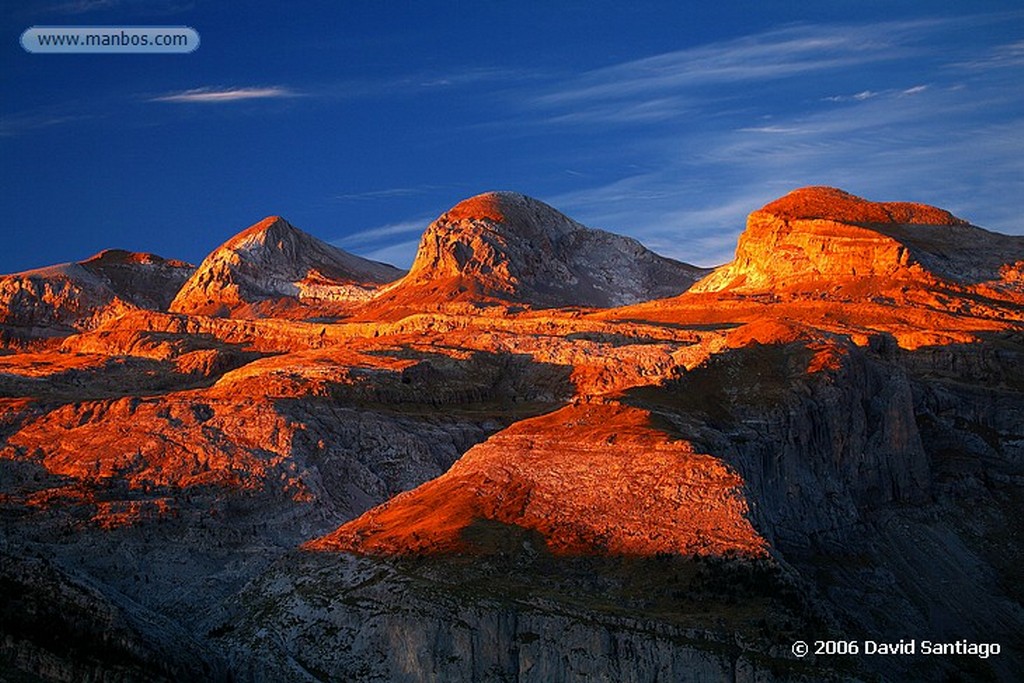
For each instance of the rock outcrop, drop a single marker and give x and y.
(272, 267)
(506, 247)
(400, 623)
(587, 480)
(818, 237)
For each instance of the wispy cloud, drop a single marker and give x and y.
(393, 243)
(21, 124)
(872, 94)
(468, 76)
(749, 125)
(783, 53)
(1000, 57)
(223, 95)
(686, 223)
(389, 193)
(373, 236)
(401, 254)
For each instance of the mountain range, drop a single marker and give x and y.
(543, 453)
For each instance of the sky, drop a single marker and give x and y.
(360, 122)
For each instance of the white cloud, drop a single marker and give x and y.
(999, 57)
(373, 236)
(220, 95)
(780, 130)
(19, 124)
(389, 193)
(783, 53)
(958, 144)
(400, 255)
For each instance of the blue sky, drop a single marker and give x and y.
(362, 121)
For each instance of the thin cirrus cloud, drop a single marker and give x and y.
(226, 95)
(20, 124)
(389, 193)
(400, 255)
(771, 55)
(372, 236)
(871, 94)
(1001, 56)
(394, 243)
(748, 119)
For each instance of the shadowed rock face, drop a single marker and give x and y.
(450, 477)
(273, 262)
(507, 247)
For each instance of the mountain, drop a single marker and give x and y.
(146, 280)
(506, 247)
(273, 265)
(477, 473)
(58, 300)
(821, 236)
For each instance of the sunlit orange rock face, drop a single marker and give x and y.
(821, 238)
(588, 479)
(816, 263)
(836, 262)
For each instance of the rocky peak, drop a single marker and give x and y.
(273, 261)
(59, 299)
(146, 280)
(830, 203)
(123, 257)
(506, 246)
(820, 236)
(55, 301)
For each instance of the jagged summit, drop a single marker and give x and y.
(820, 236)
(510, 247)
(273, 263)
